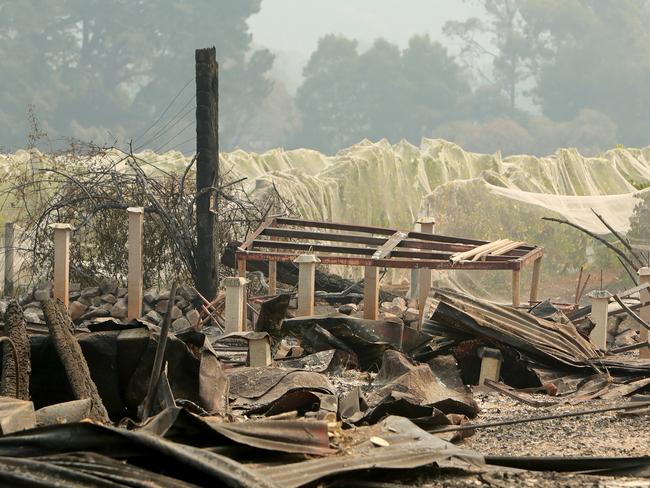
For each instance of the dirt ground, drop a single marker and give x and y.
(602, 434)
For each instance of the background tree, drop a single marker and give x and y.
(91, 67)
(500, 41)
(597, 59)
(383, 92)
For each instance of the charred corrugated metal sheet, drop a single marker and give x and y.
(464, 316)
(408, 447)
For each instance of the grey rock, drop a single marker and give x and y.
(181, 302)
(176, 313)
(151, 295)
(108, 298)
(32, 317)
(180, 324)
(119, 309)
(399, 304)
(75, 287)
(44, 285)
(85, 300)
(42, 295)
(628, 323)
(154, 317)
(94, 312)
(193, 317)
(77, 309)
(396, 307)
(146, 307)
(161, 306)
(348, 308)
(187, 293)
(35, 311)
(411, 315)
(626, 338)
(109, 286)
(391, 318)
(164, 295)
(91, 292)
(25, 297)
(121, 292)
(74, 295)
(3, 306)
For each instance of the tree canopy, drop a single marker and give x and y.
(522, 76)
(94, 67)
(384, 92)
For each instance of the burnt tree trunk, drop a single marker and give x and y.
(207, 171)
(74, 363)
(15, 377)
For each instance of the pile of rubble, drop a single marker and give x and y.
(622, 331)
(109, 301)
(170, 400)
(398, 310)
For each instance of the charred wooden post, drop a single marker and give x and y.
(306, 275)
(424, 275)
(273, 277)
(207, 170)
(62, 261)
(599, 303)
(644, 277)
(259, 351)
(16, 365)
(241, 272)
(534, 286)
(75, 365)
(371, 293)
(134, 281)
(516, 288)
(9, 259)
(235, 318)
(491, 360)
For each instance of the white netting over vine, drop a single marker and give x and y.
(474, 195)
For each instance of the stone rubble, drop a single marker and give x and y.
(109, 300)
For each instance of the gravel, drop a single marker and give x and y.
(602, 434)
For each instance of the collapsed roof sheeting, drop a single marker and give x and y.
(459, 314)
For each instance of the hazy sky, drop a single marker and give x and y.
(291, 28)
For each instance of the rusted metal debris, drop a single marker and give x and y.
(393, 248)
(461, 316)
(343, 395)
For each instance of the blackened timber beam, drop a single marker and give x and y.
(335, 226)
(267, 223)
(362, 251)
(386, 263)
(367, 240)
(321, 236)
(305, 246)
(533, 255)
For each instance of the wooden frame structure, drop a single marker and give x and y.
(284, 239)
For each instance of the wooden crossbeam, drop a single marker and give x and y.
(267, 223)
(389, 245)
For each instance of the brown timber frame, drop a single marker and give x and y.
(285, 238)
